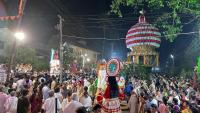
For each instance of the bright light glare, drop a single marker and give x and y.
(88, 59)
(19, 35)
(85, 54)
(172, 56)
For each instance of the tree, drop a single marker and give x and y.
(135, 70)
(69, 57)
(27, 55)
(192, 52)
(173, 12)
(41, 64)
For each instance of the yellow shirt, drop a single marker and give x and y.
(185, 111)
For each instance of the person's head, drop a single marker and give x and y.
(12, 93)
(174, 93)
(158, 92)
(175, 101)
(154, 95)
(51, 93)
(57, 90)
(184, 104)
(133, 93)
(69, 95)
(165, 99)
(85, 89)
(42, 80)
(24, 92)
(81, 110)
(153, 108)
(74, 97)
(97, 108)
(193, 97)
(35, 91)
(53, 78)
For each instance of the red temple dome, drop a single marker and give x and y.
(143, 33)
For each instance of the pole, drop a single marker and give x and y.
(83, 61)
(13, 50)
(11, 59)
(103, 49)
(61, 47)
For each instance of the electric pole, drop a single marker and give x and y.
(103, 49)
(61, 47)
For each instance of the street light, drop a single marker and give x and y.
(19, 36)
(88, 60)
(172, 56)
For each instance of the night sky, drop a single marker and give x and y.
(88, 18)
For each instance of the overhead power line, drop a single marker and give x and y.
(117, 39)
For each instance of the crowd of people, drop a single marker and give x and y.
(44, 94)
(78, 94)
(163, 95)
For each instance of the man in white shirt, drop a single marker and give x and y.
(3, 98)
(58, 95)
(11, 103)
(177, 97)
(85, 99)
(73, 104)
(154, 101)
(51, 103)
(20, 84)
(45, 92)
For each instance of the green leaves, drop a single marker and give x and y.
(138, 70)
(170, 22)
(157, 4)
(198, 65)
(27, 55)
(170, 25)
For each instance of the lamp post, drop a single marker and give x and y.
(17, 36)
(172, 57)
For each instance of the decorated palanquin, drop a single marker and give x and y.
(143, 39)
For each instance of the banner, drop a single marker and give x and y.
(54, 64)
